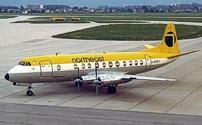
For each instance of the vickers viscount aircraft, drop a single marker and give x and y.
(100, 69)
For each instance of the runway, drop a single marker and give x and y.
(182, 97)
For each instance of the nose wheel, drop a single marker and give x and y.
(29, 91)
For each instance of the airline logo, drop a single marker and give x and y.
(88, 59)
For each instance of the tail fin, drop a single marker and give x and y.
(169, 43)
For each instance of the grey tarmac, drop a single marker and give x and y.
(20, 114)
(137, 102)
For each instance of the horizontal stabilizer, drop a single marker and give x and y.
(149, 46)
(182, 54)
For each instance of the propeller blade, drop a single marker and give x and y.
(78, 72)
(78, 87)
(77, 82)
(97, 89)
(95, 72)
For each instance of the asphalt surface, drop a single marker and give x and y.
(138, 102)
(18, 114)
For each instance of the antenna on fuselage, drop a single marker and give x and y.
(57, 53)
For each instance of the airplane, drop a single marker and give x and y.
(101, 69)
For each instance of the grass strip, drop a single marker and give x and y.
(6, 17)
(131, 32)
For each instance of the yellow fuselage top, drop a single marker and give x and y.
(95, 57)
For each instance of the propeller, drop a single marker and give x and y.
(97, 82)
(78, 80)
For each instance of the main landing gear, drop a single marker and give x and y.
(29, 92)
(111, 90)
(79, 83)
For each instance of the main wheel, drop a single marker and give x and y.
(111, 90)
(29, 93)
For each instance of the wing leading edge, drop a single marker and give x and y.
(118, 78)
(147, 78)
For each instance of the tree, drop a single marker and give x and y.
(145, 8)
(75, 8)
(22, 8)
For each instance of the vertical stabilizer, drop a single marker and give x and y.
(169, 43)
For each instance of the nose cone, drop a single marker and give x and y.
(7, 76)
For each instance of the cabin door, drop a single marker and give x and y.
(148, 62)
(46, 68)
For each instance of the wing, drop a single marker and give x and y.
(118, 78)
(147, 78)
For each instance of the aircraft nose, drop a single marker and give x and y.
(7, 76)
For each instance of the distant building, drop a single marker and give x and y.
(35, 7)
(55, 6)
(102, 6)
(25, 12)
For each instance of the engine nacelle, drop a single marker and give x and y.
(98, 82)
(115, 82)
(22, 84)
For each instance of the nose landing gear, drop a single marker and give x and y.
(29, 92)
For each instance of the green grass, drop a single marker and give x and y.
(131, 32)
(182, 17)
(46, 20)
(118, 21)
(6, 16)
(117, 17)
(188, 19)
(84, 19)
(117, 14)
(124, 32)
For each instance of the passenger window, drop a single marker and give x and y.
(110, 64)
(117, 64)
(89, 65)
(141, 62)
(83, 66)
(130, 63)
(75, 66)
(124, 63)
(136, 62)
(96, 65)
(104, 64)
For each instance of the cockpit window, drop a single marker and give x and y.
(21, 63)
(24, 63)
(28, 63)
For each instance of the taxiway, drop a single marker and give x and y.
(182, 97)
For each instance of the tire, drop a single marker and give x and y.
(29, 93)
(111, 90)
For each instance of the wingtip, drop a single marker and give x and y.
(172, 80)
